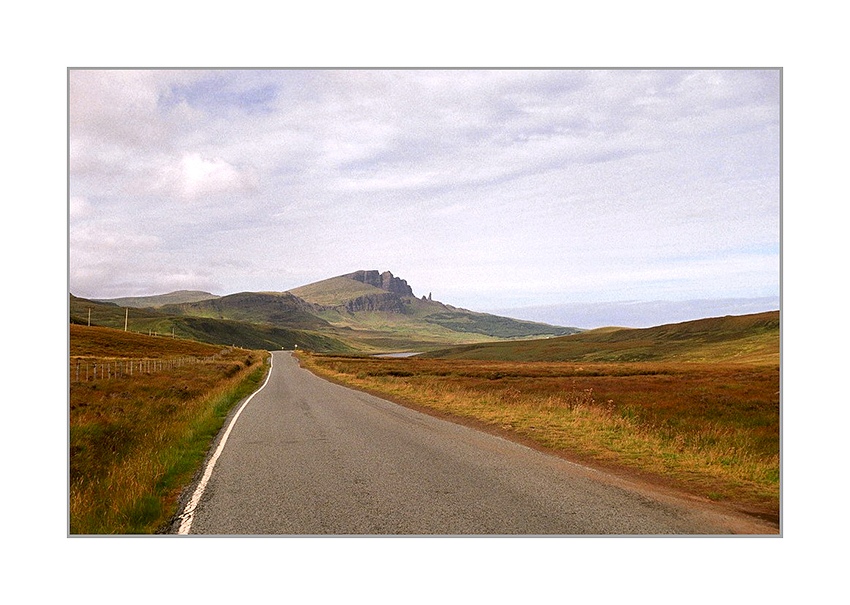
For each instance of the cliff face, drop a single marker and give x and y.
(389, 303)
(384, 281)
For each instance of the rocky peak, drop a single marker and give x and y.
(384, 281)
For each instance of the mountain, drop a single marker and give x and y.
(380, 309)
(752, 338)
(158, 300)
(366, 311)
(358, 291)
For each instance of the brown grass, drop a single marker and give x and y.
(135, 441)
(709, 428)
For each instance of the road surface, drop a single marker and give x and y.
(309, 457)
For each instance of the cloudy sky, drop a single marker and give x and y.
(491, 188)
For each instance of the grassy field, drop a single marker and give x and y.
(136, 440)
(701, 415)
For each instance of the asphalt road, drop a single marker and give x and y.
(308, 457)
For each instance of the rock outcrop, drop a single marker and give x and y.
(388, 303)
(384, 281)
(391, 300)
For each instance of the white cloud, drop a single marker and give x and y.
(195, 176)
(79, 208)
(464, 176)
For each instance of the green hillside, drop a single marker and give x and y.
(84, 311)
(158, 300)
(280, 309)
(746, 338)
(461, 320)
(254, 336)
(211, 330)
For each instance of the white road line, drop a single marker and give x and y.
(188, 514)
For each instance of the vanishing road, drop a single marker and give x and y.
(308, 457)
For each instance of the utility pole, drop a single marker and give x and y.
(126, 316)
(89, 316)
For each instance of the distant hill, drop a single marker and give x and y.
(158, 300)
(747, 338)
(202, 329)
(366, 311)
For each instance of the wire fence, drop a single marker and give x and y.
(85, 369)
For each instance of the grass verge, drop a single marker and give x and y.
(136, 441)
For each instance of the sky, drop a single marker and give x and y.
(491, 189)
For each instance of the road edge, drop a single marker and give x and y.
(186, 517)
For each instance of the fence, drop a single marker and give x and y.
(85, 369)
